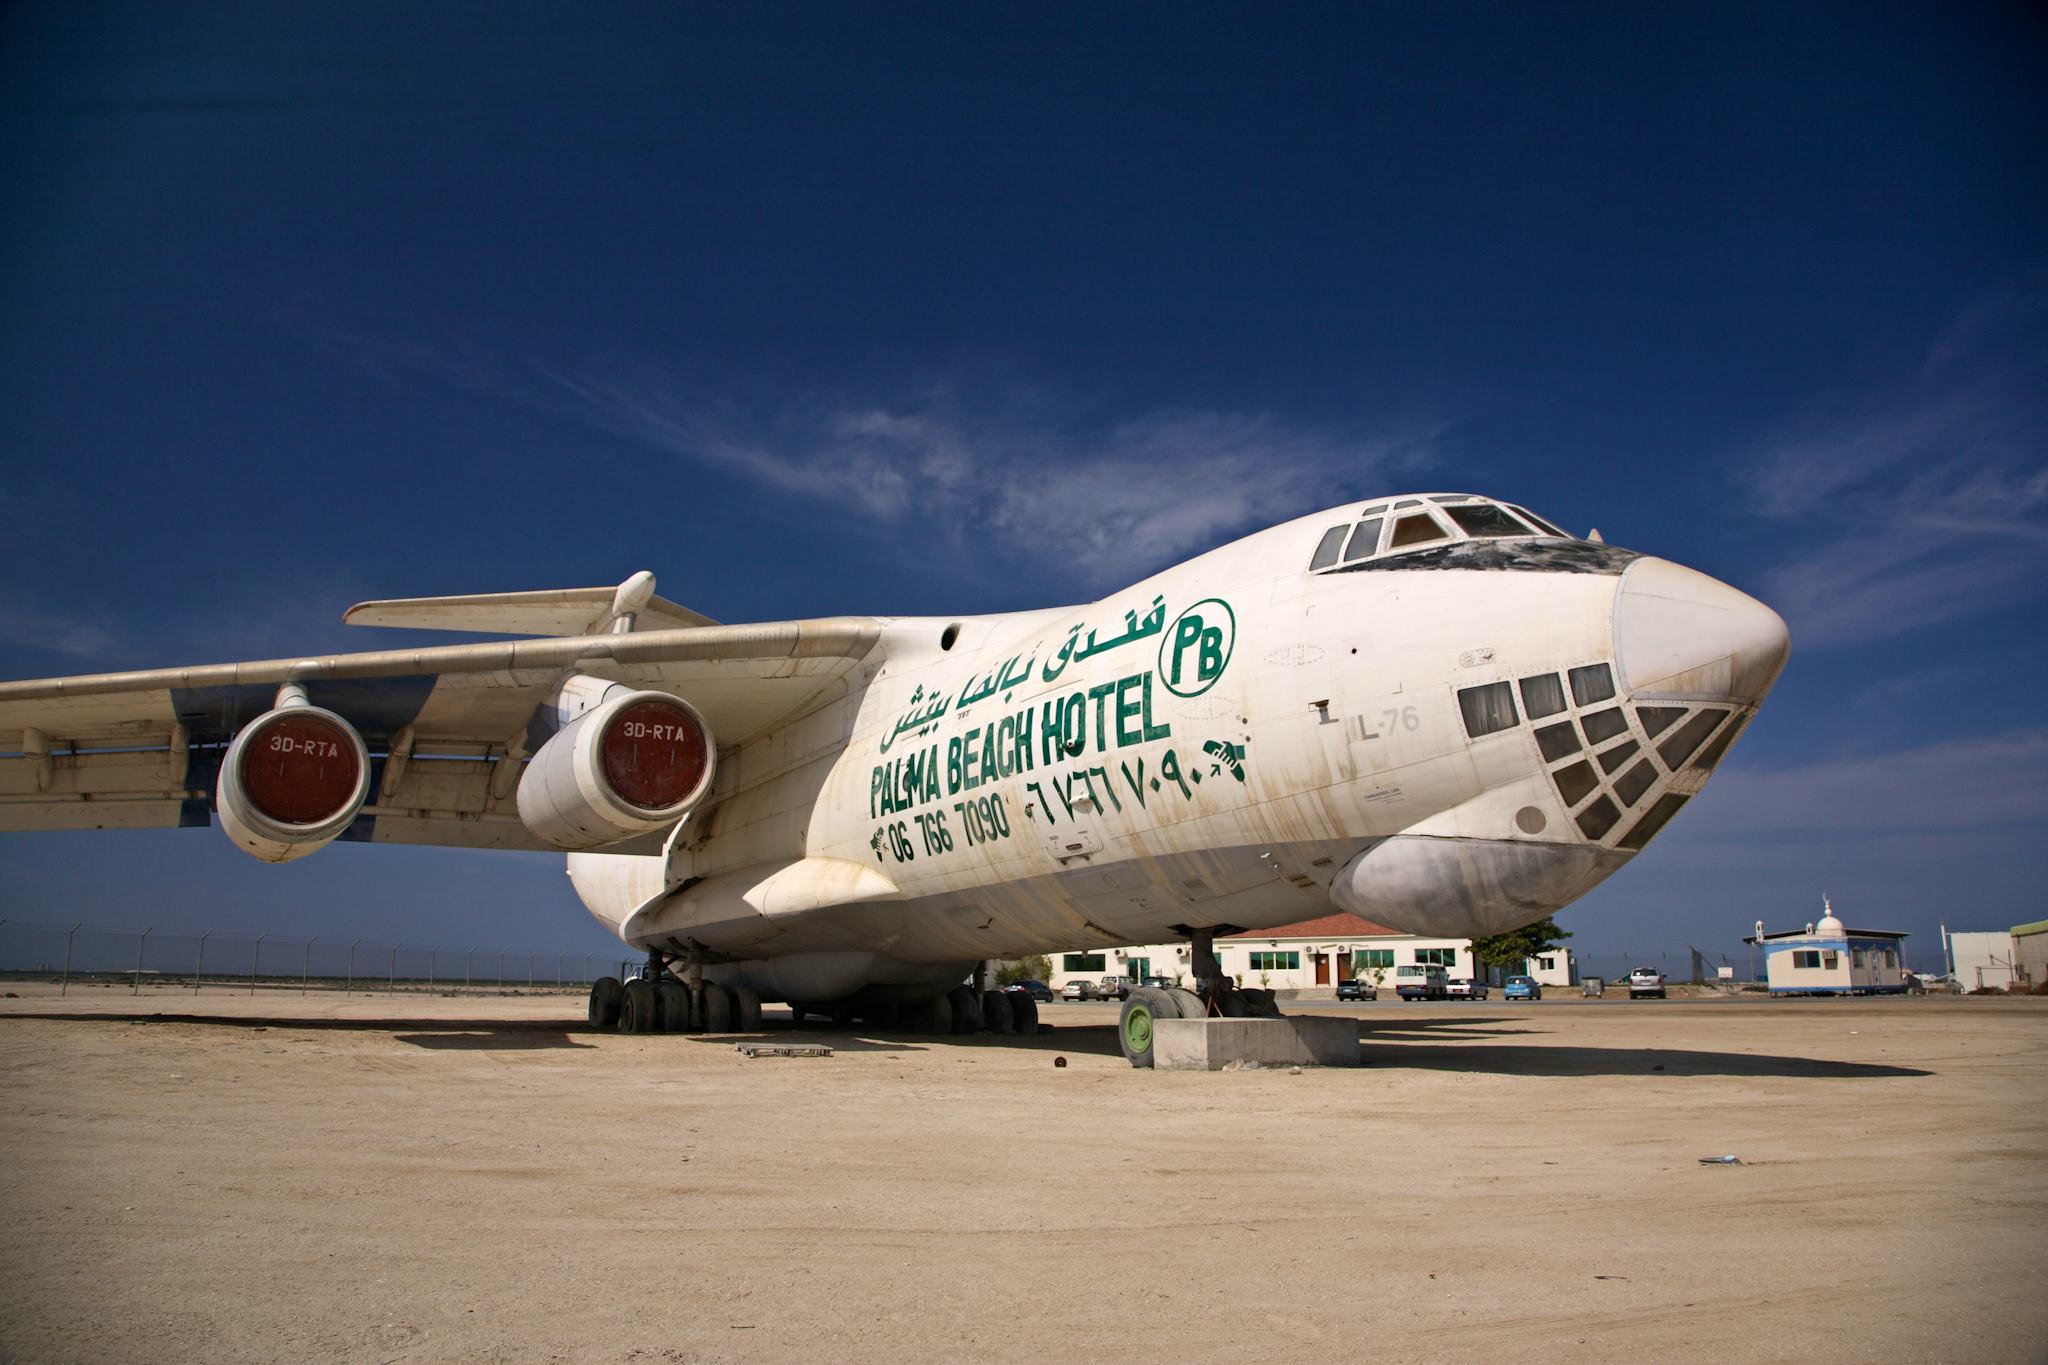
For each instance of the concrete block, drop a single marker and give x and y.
(1212, 1044)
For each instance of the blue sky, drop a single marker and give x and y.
(817, 309)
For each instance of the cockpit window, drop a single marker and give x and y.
(1535, 520)
(1417, 528)
(1327, 548)
(1364, 540)
(1484, 519)
(1407, 502)
(1374, 510)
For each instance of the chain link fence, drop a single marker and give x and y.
(74, 954)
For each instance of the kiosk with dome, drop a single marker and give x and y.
(1829, 958)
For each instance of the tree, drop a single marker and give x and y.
(1512, 950)
(1037, 967)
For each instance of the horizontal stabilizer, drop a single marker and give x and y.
(555, 611)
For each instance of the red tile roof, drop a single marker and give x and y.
(1341, 925)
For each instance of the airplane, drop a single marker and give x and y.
(1438, 711)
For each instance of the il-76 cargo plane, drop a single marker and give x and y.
(1438, 711)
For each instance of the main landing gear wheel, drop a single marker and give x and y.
(605, 995)
(746, 1009)
(1143, 1009)
(1023, 1013)
(674, 1002)
(639, 1011)
(966, 1010)
(995, 1012)
(931, 1016)
(717, 1009)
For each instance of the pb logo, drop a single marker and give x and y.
(1197, 647)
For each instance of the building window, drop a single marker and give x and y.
(1806, 958)
(1276, 962)
(1858, 960)
(1375, 957)
(1442, 957)
(1083, 962)
(1139, 968)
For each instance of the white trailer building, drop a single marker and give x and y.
(1829, 958)
(1983, 961)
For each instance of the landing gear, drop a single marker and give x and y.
(746, 1009)
(717, 1009)
(639, 1010)
(675, 1006)
(1143, 1009)
(605, 995)
(1023, 1013)
(966, 1010)
(996, 1015)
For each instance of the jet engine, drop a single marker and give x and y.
(292, 781)
(636, 763)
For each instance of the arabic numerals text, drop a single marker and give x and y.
(983, 819)
(937, 838)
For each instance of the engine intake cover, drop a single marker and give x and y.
(637, 763)
(292, 781)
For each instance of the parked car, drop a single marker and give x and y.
(1645, 981)
(1418, 982)
(1114, 987)
(1357, 989)
(1037, 990)
(1464, 988)
(1078, 989)
(1522, 988)
(1159, 983)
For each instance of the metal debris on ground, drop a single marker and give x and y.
(1729, 1160)
(783, 1049)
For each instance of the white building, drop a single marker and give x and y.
(1830, 958)
(1303, 956)
(1984, 961)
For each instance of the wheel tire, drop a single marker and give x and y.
(933, 1016)
(1023, 1013)
(746, 1009)
(639, 1010)
(717, 1009)
(966, 1006)
(1188, 1003)
(673, 1003)
(995, 1012)
(1143, 1009)
(605, 996)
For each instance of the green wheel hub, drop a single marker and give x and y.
(1138, 1029)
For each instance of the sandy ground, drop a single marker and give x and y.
(278, 1178)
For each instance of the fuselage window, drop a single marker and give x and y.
(1487, 708)
(1418, 528)
(1327, 548)
(1594, 682)
(1484, 519)
(1364, 540)
(1542, 696)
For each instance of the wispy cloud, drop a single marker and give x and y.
(69, 636)
(1107, 499)
(1926, 503)
(1971, 783)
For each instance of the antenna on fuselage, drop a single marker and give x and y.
(1595, 536)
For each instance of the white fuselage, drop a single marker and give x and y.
(1232, 743)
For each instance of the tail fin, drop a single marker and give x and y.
(631, 605)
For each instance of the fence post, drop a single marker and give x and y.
(501, 971)
(65, 984)
(529, 970)
(255, 958)
(306, 968)
(350, 988)
(391, 984)
(433, 954)
(468, 962)
(141, 947)
(560, 958)
(199, 967)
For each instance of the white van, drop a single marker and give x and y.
(1419, 982)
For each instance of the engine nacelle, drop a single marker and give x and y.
(292, 781)
(634, 764)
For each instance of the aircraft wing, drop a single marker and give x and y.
(143, 749)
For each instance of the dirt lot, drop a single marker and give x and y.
(269, 1178)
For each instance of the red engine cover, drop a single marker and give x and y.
(299, 768)
(654, 755)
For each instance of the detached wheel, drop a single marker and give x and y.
(995, 1012)
(605, 996)
(1134, 1026)
(1188, 1003)
(640, 1010)
(1023, 1013)
(673, 1000)
(717, 1009)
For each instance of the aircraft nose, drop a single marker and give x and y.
(1681, 635)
